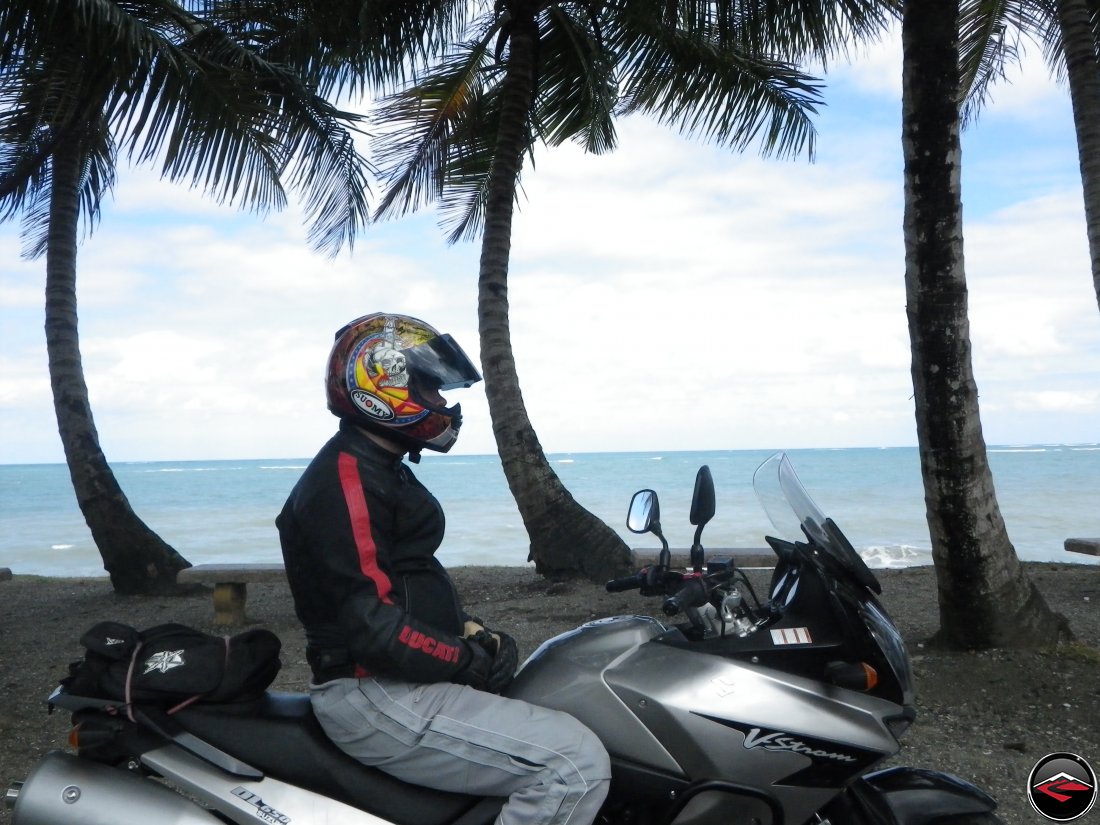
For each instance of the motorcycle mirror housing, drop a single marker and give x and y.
(702, 499)
(702, 511)
(644, 516)
(645, 511)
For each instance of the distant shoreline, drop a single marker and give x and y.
(1080, 445)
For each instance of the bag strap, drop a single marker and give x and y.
(190, 701)
(128, 695)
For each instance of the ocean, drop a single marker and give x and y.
(224, 511)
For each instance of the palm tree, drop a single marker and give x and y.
(492, 80)
(81, 82)
(1067, 31)
(1077, 44)
(985, 597)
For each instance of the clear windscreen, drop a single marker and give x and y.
(786, 502)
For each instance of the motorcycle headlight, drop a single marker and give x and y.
(889, 640)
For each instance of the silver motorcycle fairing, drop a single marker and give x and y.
(567, 673)
(799, 739)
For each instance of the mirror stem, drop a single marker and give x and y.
(697, 556)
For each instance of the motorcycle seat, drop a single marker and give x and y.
(279, 735)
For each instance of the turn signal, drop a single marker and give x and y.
(89, 737)
(851, 675)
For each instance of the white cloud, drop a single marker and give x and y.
(1027, 91)
(1058, 401)
(670, 295)
(874, 68)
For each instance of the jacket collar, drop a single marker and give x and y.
(355, 440)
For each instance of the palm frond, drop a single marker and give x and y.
(465, 193)
(719, 93)
(986, 49)
(577, 91)
(44, 92)
(334, 180)
(421, 122)
(1043, 25)
(177, 90)
(35, 214)
(46, 98)
(100, 165)
(25, 139)
(345, 46)
(97, 179)
(800, 30)
(575, 100)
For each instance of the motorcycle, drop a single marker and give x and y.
(742, 711)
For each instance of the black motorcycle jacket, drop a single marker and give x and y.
(359, 534)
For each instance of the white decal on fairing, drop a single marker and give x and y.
(792, 636)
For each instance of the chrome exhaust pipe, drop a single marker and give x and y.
(65, 788)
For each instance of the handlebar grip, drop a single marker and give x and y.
(692, 594)
(628, 583)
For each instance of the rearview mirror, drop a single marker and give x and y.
(644, 512)
(702, 500)
(702, 511)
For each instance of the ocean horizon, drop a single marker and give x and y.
(224, 510)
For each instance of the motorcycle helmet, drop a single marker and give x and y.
(385, 373)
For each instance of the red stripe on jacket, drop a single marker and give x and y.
(360, 526)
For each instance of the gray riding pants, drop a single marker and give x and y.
(551, 767)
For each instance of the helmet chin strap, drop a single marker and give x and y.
(387, 444)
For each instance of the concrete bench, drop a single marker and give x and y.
(1090, 547)
(231, 585)
(746, 557)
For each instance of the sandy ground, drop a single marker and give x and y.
(987, 717)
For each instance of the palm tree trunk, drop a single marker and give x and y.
(1084, 93)
(986, 599)
(565, 538)
(136, 558)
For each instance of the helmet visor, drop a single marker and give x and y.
(441, 363)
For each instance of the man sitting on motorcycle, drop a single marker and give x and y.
(403, 679)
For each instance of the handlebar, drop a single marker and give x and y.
(655, 580)
(627, 583)
(683, 590)
(693, 593)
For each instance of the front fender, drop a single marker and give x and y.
(911, 796)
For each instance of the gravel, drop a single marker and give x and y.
(987, 717)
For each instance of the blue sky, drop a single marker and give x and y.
(671, 295)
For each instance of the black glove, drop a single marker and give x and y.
(502, 664)
(477, 669)
(505, 663)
